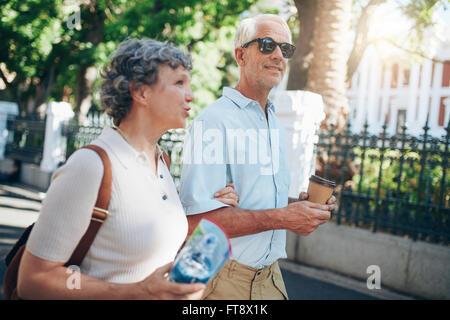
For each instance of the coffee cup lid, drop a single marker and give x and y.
(322, 181)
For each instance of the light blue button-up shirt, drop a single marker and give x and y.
(232, 141)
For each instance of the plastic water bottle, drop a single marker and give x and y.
(195, 264)
(204, 254)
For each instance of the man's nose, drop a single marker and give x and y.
(277, 53)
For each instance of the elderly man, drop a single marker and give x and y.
(239, 140)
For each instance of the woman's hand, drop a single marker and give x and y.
(227, 195)
(158, 287)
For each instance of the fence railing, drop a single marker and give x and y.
(27, 141)
(172, 142)
(78, 135)
(398, 184)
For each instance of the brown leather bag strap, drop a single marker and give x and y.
(100, 212)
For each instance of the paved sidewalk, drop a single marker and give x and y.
(20, 205)
(308, 283)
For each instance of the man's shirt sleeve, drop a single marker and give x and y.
(204, 168)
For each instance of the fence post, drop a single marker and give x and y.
(6, 109)
(301, 112)
(54, 149)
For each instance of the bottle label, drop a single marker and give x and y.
(203, 255)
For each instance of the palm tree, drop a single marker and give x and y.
(327, 75)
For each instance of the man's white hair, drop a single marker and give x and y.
(247, 29)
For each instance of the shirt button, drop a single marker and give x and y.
(161, 176)
(164, 197)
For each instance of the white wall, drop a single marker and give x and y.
(301, 113)
(412, 267)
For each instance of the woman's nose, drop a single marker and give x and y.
(189, 95)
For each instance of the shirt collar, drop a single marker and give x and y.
(242, 101)
(123, 151)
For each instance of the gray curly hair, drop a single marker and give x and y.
(135, 63)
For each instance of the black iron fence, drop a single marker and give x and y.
(26, 143)
(398, 184)
(78, 135)
(172, 142)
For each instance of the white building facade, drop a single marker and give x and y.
(398, 90)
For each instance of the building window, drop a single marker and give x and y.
(394, 76)
(406, 73)
(446, 74)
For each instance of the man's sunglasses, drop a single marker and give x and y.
(268, 45)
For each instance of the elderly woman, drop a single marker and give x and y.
(146, 90)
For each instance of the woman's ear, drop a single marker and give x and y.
(139, 95)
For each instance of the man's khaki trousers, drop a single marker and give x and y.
(236, 281)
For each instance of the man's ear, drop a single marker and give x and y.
(239, 55)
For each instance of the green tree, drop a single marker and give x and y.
(55, 49)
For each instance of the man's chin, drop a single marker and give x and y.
(270, 81)
(273, 82)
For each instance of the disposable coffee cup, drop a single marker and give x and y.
(320, 189)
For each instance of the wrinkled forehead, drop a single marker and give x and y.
(273, 29)
(166, 70)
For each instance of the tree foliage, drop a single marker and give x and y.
(49, 48)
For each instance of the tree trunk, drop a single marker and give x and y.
(45, 88)
(301, 61)
(327, 75)
(95, 23)
(83, 96)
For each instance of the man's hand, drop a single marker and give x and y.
(304, 217)
(304, 196)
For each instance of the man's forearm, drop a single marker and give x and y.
(239, 222)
